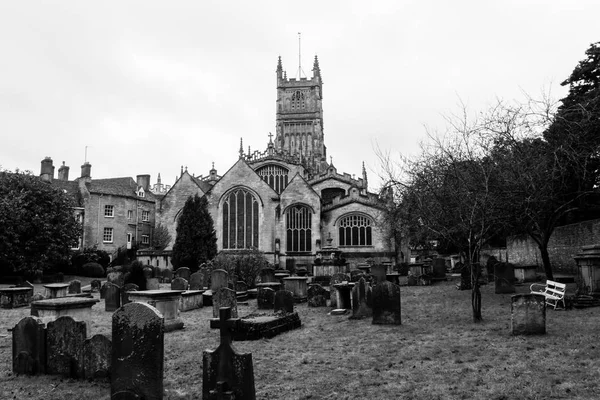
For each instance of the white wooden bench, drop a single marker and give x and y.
(553, 291)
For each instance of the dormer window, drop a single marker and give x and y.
(141, 192)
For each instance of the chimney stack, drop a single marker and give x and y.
(86, 170)
(63, 172)
(47, 170)
(144, 181)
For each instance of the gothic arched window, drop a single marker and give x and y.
(275, 176)
(298, 102)
(355, 230)
(240, 220)
(298, 220)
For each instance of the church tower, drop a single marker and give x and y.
(299, 119)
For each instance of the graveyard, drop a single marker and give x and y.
(437, 352)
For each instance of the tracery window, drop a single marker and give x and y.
(355, 230)
(298, 102)
(298, 226)
(240, 220)
(275, 176)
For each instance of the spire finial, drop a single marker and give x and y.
(159, 177)
(213, 165)
(316, 68)
(181, 174)
(330, 160)
(241, 148)
(364, 173)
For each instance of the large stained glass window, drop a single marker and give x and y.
(298, 221)
(355, 230)
(240, 220)
(275, 176)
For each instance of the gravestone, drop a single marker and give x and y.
(224, 297)
(439, 268)
(218, 279)
(116, 278)
(74, 287)
(386, 304)
(355, 275)
(335, 279)
(103, 290)
(112, 297)
(29, 347)
(528, 314)
(267, 275)
(64, 347)
(97, 353)
(95, 285)
(184, 273)
(361, 300)
(197, 281)
(128, 287)
(504, 278)
(137, 360)
(317, 295)
(378, 272)
(265, 298)
(284, 301)
(179, 284)
(167, 275)
(226, 373)
(152, 284)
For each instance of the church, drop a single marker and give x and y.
(289, 201)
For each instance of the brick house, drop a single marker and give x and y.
(116, 213)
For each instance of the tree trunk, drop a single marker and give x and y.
(475, 292)
(546, 260)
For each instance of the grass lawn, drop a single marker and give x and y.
(437, 353)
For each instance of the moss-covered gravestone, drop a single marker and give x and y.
(112, 297)
(137, 353)
(284, 301)
(317, 295)
(224, 297)
(97, 353)
(29, 347)
(183, 272)
(226, 373)
(386, 304)
(64, 346)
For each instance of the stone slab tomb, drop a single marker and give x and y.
(317, 295)
(15, 297)
(267, 275)
(226, 373)
(55, 290)
(29, 347)
(97, 353)
(528, 314)
(78, 308)
(64, 347)
(386, 304)
(137, 359)
(166, 302)
(191, 300)
(362, 302)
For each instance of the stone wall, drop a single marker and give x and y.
(566, 241)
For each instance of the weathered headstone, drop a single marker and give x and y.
(137, 362)
(74, 286)
(128, 287)
(116, 278)
(29, 347)
(167, 275)
(528, 314)
(386, 304)
(95, 285)
(438, 268)
(317, 296)
(267, 275)
(224, 297)
(184, 273)
(504, 278)
(218, 279)
(284, 301)
(179, 284)
(103, 290)
(378, 272)
(152, 284)
(197, 281)
(361, 300)
(265, 298)
(226, 373)
(112, 297)
(97, 353)
(64, 347)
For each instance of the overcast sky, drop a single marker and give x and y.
(149, 86)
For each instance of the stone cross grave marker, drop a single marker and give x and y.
(29, 347)
(386, 304)
(64, 346)
(317, 295)
(362, 301)
(226, 373)
(225, 297)
(112, 297)
(137, 359)
(97, 352)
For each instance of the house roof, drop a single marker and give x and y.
(125, 187)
